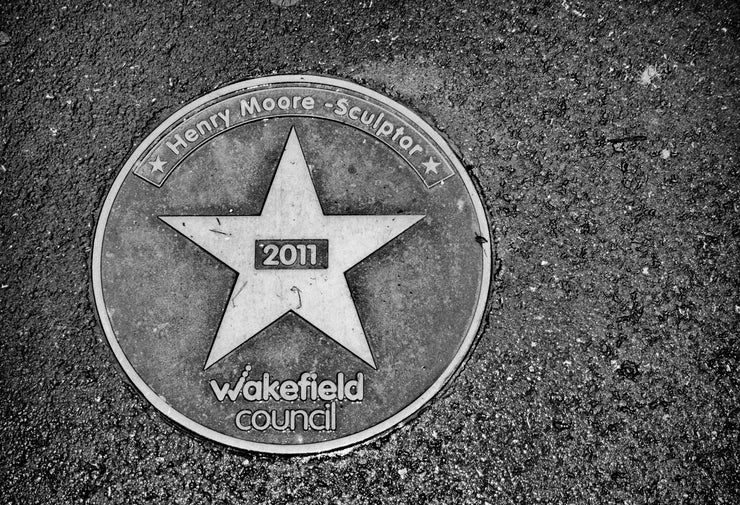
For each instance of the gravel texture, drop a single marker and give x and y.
(608, 370)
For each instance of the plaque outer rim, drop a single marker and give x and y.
(338, 444)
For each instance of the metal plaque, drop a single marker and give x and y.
(292, 264)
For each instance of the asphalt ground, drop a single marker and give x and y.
(608, 368)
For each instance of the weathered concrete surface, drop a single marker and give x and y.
(608, 372)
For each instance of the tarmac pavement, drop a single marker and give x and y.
(604, 139)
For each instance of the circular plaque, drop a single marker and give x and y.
(291, 264)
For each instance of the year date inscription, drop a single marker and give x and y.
(291, 254)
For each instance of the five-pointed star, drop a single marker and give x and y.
(157, 165)
(431, 165)
(291, 211)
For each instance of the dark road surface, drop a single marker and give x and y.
(608, 370)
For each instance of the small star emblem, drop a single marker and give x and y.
(431, 165)
(157, 165)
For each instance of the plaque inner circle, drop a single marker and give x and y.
(293, 264)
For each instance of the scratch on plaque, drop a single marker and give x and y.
(218, 221)
(169, 408)
(297, 291)
(481, 240)
(160, 327)
(233, 298)
(221, 232)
